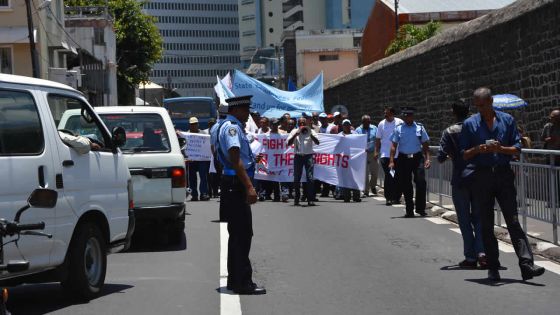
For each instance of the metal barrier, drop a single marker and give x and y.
(537, 182)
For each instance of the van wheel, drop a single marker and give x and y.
(87, 262)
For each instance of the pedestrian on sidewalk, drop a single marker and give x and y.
(303, 139)
(383, 145)
(488, 142)
(235, 153)
(414, 157)
(200, 168)
(461, 191)
(372, 167)
(346, 192)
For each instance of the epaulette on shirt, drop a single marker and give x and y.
(455, 128)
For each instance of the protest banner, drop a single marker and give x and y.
(197, 147)
(339, 160)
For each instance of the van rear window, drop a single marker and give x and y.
(189, 108)
(144, 132)
(20, 126)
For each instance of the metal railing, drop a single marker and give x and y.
(537, 180)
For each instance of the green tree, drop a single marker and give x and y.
(139, 44)
(410, 35)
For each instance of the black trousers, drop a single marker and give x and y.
(406, 169)
(498, 184)
(390, 189)
(240, 229)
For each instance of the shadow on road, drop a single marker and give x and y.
(49, 297)
(503, 282)
(146, 243)
(457, 267)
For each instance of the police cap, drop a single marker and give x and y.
(239, 101)
(407, 111)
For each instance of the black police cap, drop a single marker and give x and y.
(239, 101)
(408, 111)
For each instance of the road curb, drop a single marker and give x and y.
(542, 248)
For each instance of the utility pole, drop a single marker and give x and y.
(396, 18)
(34, 60)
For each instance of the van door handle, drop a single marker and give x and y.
(41, 174)
(67, 163)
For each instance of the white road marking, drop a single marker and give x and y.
(549, 265)
(456, 230)
(229, 302)
(399, 206)
(437, 220)
(505, 247)
(379, 198)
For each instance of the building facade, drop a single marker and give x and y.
(201, 40)
(348, 13)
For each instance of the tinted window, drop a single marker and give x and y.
(144, 132)
(189, 108)
(20, 126)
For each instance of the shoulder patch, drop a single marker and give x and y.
(232, 131)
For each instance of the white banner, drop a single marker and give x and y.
(198, 147)
(339, 160)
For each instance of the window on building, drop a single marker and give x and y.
(4, 4)
(99, 36)
(328, 57)
(6, 60)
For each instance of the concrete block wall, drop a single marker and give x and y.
(513, 50)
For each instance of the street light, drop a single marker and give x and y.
(396, 17)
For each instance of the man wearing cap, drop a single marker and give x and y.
(371, 163)
(411, 139)
(336, 126)
(383, 144)
(238, 193)
(323, 120)
(303, 139)
(198, 167)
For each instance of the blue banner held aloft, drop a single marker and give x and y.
(272, 102)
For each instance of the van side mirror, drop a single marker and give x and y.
(119, 136)
(182, 143)
(43, 198)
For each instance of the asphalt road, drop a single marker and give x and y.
(335, 258)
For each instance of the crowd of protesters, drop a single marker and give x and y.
(480, 147)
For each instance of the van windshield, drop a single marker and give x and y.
(185, 109)
(144, 132)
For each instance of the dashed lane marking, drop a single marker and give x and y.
(549, 265)
(456, 230)
(229, 302)
(505, 247)
(437, 220)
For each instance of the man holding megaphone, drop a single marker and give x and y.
(303, 139)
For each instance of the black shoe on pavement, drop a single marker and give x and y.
(204, 198)
(194, 199)
(422, 213)
(466, 264)
(261, 198)
(304, 199)
(409, 215)
(357, 200)
(296, 202)
(374, 191)
(530, 271)
(388, 203)
(250, 290)
(494, 275)
(311, 204)
(346, 200)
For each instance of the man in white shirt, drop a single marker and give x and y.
(303, 139)
(382, 152)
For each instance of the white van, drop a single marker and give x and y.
(153, 155)
(92, 216)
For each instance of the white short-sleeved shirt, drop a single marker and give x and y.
(384, 132)
(303, 144)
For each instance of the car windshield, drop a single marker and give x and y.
(189, 108)
(144, 132)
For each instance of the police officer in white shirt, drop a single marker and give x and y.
(382, 152)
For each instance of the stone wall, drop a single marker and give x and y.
(513, 50)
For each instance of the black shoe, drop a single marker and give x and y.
(311, 204)
(530, 271)
(374, 191)
(388, 203)
(466, 264)
(261, 198)
(204, 198)
(304, 199)
(276, 200)
(296, 202)
(409, 215)
(314, 199)
(250, 290)
(194, 199)
(268, 198)
(357, 200)
(494, 275)
(422, 213)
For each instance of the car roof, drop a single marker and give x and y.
(129, 109)
(18, 79)
(188, 98)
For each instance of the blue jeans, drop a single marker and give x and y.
(469, 221)
(202, 168)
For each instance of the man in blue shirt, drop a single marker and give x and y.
(238, 193)
(371, 163)
(412, 140)
(488, 142)
(468, 215)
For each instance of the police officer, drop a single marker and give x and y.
(412, 140)
(238, 193)
(222, 113)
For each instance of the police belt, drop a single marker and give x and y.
(410, 156)
(231, 172)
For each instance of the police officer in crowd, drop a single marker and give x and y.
(234, 152)
(411, 140)
(488, 142)
(383, 144)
